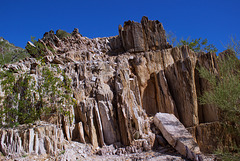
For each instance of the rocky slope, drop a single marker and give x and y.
(10, 53)
(119, 84)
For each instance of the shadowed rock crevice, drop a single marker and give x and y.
(149, 100)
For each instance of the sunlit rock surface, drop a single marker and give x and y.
(177, 135)
(119, 84)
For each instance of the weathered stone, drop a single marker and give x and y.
(49, 35)
(31, 140)
(181, 82)
(79, 133)
(136, 37)
(116, 44)
(177, 136)
(132, 36)
(75, 31)
(154, 34)
(110, 136)
(37, 140)
(211, 136)
(161, 141)
(118, 84)
(98, 126)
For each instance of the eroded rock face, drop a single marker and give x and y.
(120, 82)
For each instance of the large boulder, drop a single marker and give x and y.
(177, 135)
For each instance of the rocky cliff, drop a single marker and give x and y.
(119, 84)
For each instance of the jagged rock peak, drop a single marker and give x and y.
(134, 37)
(144, 36)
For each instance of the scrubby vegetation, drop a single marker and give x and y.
(10, 53)
(28, 98)
(37, 49)
(196, 45)
(225, 94)
(62, 34)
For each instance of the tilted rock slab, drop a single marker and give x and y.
(177, 135)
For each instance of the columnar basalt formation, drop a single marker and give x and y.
(121, 82)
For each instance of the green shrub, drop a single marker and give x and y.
(198, 45)
(225, 93)
(62, 34)
(38, 49)
(10, 53)
(27, 99)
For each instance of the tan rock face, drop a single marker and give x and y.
(120, 81)
(136, 37)
(211, 136)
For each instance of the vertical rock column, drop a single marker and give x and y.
(144, 36)
(180, 76)
(131, 117)
(207, 113)
(40, 140)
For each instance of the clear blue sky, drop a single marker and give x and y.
(215, 20)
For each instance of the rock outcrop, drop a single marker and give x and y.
(38, 139)
(119, 83)
(144, 36)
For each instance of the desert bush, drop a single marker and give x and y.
(62, 34)
(37, 49)
(10, 53)
(27, 98)
(225, 93)
(196, 45)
